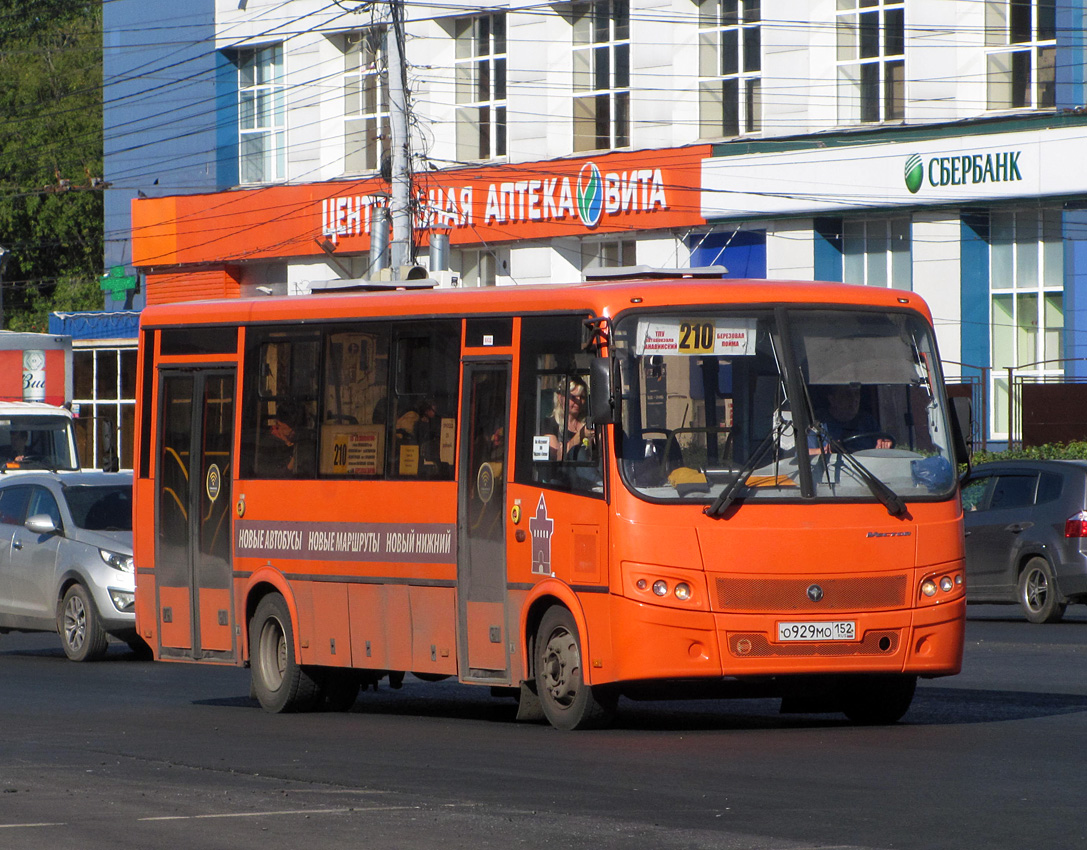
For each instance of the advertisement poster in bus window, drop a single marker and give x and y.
(352, 449)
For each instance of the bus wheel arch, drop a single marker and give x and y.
(559, 655)
(546, 594)
(279, 681)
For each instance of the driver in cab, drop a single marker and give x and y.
(845, 420)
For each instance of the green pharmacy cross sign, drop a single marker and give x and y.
(117, 283)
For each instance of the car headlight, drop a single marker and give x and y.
(117, 561)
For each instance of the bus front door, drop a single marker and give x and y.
(481, 551)
(193, 562)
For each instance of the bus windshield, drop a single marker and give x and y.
(36, 442)
(782, 404)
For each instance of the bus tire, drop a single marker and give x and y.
(877, 700)
(81, 631)
(567, 702)
(280, 683)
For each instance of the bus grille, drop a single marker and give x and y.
(855, 593)
(755, 645)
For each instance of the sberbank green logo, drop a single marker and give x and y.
(963, 169)
(914, 173)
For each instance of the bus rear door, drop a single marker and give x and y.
(193, 561)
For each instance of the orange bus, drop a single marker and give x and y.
(650, 486)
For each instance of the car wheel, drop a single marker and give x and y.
(1039, 595)
(79, 627)
(567, 702)
(878, 700)
(279, 682)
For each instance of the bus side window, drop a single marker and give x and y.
(557, 444)
(280, 440)
(355, 402)
(423, 400)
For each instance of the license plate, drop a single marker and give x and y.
(827, 630)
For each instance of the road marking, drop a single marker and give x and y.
(28, 825)
(282, 812)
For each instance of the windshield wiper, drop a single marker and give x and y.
(894, 503)
(728, 495)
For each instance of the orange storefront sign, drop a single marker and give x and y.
(615, 193)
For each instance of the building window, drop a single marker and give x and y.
(366, 101)
(871, 61)
(1021, 40)
(481, 87)
(104, 394)
(729, 67)
(601, 57)
(1026, 282)
(261, 115)
(876, 252)
(478, 267)
(608, 254)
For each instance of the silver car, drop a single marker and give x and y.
(66, 558)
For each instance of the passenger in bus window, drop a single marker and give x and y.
(293, 446)
(414, 424)
(570, 435)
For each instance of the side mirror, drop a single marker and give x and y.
(603, 397)
(962, 428)
(41, 524)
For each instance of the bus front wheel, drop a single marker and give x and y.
(280, 683)
(567, 702)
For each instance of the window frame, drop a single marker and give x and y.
(729, 30)
(268, 122)
(1020, 55)
(480, 66)
(366, 101)
(871, 61)
(600, 65)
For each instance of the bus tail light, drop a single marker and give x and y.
(1076, 526)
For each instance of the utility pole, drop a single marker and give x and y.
(400, 199)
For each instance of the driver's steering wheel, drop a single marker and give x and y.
(874, 436)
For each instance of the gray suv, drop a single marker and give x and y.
(1026, 535)
(66, 558)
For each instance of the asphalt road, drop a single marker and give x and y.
(137, 754)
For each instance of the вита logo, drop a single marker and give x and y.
(914, 173)
(590, 195)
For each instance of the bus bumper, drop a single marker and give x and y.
(664, 643)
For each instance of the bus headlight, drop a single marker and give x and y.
(942, 587)
(674, 587)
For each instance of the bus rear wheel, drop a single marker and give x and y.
(878, 700)
(567, 702)
(280, 683)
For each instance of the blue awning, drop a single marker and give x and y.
(123, 324)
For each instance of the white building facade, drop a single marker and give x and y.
(930, 145)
